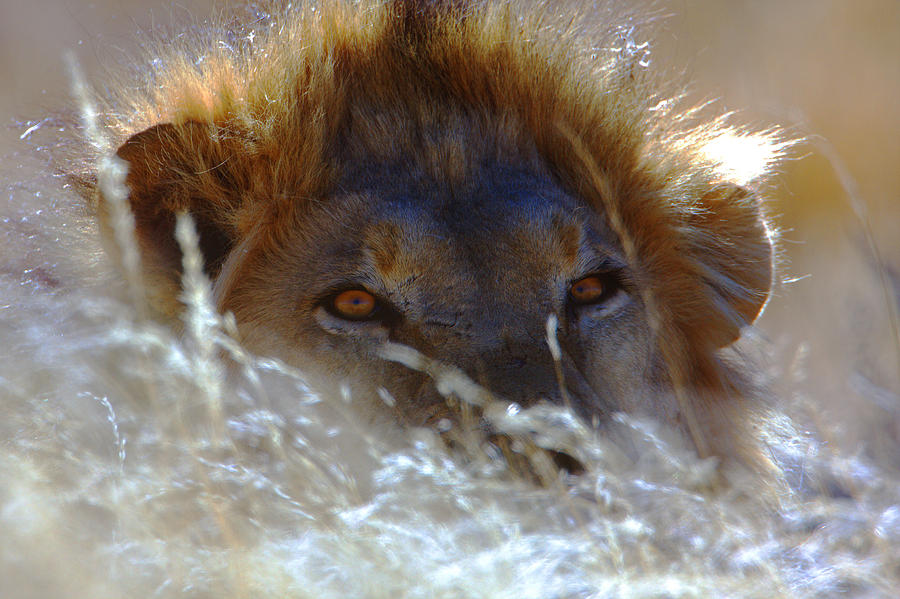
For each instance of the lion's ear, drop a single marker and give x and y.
(172, 169)
(735, 255)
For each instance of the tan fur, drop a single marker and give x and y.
(290, 146)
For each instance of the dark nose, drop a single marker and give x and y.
(519, 372)
(528, 378)
(517, 365)
(512, 361)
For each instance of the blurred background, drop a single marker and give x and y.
(826, 70)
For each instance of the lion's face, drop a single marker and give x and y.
(465, 276)
(449, 182)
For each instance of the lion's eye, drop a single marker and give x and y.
(588, 290)
(354, 304)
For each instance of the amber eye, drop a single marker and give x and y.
(588, 290)
(354, 304)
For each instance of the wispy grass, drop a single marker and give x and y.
(111, 173)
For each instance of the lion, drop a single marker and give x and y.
(492, 190)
